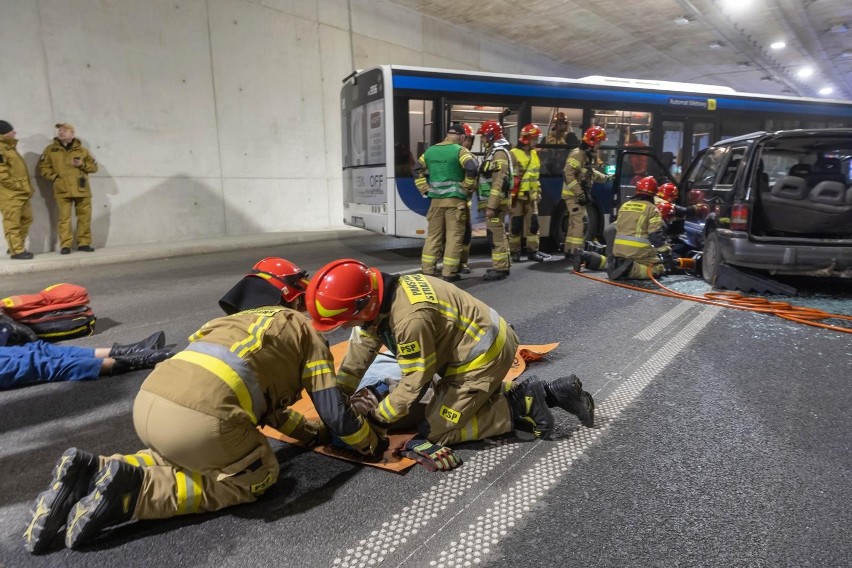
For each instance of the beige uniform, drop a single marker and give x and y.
(498, 167)
(578, 171)
(436, 328)
(198, 412)
(15, 193)
(639, 240)
(71, 188)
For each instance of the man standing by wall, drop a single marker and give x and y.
(452, 177)
(68, 164)
(15, 193)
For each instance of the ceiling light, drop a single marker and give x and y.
(778, 45)
(847, 53)
(826, 91)
(681, 20)
(714, 45)
(766, 78)
(805, 72)
(743, 64)
(838, 28)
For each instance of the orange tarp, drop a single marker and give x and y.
(391, 462)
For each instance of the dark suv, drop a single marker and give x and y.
(779, 202)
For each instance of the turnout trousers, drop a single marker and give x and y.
(575, 237)
(473, 405)
(17, 218)
(524, 223)
(83, 209)
(196, 462)
(496, 227)
(446, 226)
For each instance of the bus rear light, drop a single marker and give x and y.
(739, 217)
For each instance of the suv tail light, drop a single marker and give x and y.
(739, 217)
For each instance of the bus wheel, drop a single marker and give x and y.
(558, 228)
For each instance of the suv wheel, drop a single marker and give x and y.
(711, 258)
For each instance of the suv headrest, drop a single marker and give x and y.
(827, 166)
(800, 170)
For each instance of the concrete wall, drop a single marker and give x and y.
(210, 117)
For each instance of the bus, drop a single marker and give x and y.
(390, 114)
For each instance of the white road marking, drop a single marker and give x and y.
(664, 321)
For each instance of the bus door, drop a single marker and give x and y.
(683, 138)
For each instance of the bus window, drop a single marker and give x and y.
(475, 115)
(703, 134)
(737, 126)
(559, 125)
(775, 124)
(420, 124)
(624, 127)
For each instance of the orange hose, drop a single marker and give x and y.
(735, 300)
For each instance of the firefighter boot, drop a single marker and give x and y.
(592, 261)
(529, 409)
(72, 477)
(516, 256)
(139, 360)
(494, 274)
(574, 258)
(112, 502)
(153, 342)
(567, 393)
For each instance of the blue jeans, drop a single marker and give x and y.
(42, 362)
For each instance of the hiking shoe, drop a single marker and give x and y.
(112, 502)
(72, 477)
(527, 400)
(567, 393)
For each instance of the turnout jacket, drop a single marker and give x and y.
(432, 327)
(639, 231)
(251, 366)
(56, 164)
(14, 179)
(577, 172)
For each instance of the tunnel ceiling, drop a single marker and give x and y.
(720, 42)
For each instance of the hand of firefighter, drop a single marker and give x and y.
(668, 260)
(431, 456)
(364, 400)
(582, 199)
(489, 213)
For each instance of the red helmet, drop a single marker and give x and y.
(529, 133)
(342, 291)
(646, 186)
(666, 210)
(468, 131)
(284, 275)
(668, 191)
(491, 130)
(594, 136)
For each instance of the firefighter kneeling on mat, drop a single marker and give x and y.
(198, 414)
(640, 240)
(435, 328)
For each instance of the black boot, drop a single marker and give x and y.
(574, 258)
(494, 274)
(112, 502)
(150, 343)
(139, 360)
(567, 393)
(529, 409)
(73, 477)
(593, 261)
(516, 256)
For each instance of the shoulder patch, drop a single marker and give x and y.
(418, 289)
(408, 348)
(574, 163)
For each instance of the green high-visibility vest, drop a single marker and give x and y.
(445, 172)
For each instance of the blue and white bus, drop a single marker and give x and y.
(391, 114)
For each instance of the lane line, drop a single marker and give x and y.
(664, 321)
(473, 545)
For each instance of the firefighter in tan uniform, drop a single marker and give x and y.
(68, 164)
(15, 193)
(577, 185)
(452, 177)
(198, 414)
(495, 185)
(467, 143)
(640, 240)
(526, 194)
(558, 129)
(435, 328)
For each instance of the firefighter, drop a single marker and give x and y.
(558, 129)
(467, 143)
(526, 193)
(640, 240)
(452, 178)
(15, 193)
(67, 164)
(198, 414)
(666, 202)
(273, 281)
(576, 190)
(495, 183)
(435, 328)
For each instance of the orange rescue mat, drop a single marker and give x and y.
(390, 461)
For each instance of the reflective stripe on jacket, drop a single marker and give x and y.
(638, 219)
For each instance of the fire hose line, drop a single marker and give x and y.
(735, 300)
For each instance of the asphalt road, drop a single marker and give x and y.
(723, 438)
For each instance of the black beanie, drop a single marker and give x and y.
(5, 127)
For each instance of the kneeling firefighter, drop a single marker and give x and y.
(198, 414)
(436, 328)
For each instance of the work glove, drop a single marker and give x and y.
(431, 456)
(364, 400)
(668, 260)
(582, 199)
